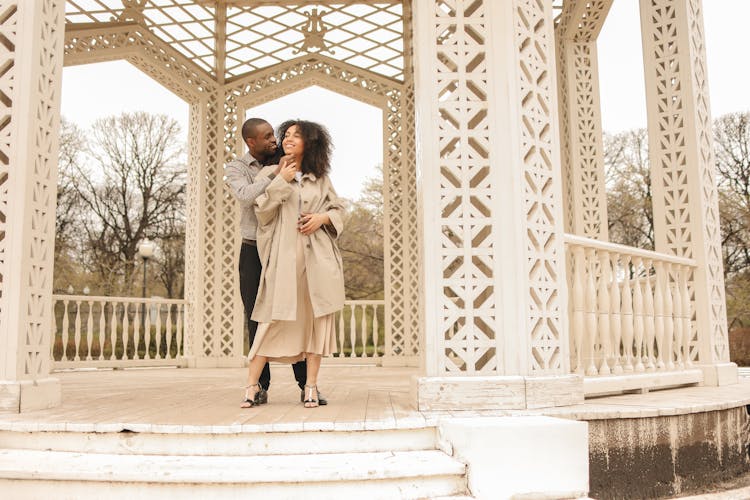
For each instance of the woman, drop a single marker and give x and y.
(302, 282)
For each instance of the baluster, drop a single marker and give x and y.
(659, 314)
(159, 333)
(364, 334)
(147, 335)
(341, 332)
(126, 330)
(649, 317)
(590, 295)
(353, 330)
(54, 331)
(180, 329)
(578, 307)
(668, 318)
(614, 311)
(627, 316)
(687, 316)
(168, 332)
(65, 333)
(603, 307)
(639, 327)
(113, 331)
(102, 329)
(89, 330)
(375, 331)
(677, 320)
(77, 335)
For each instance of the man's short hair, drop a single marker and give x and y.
(250, 126)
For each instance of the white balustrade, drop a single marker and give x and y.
(359, 331)
(115, 332)
(630, 309)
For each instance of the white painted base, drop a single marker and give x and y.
(720, 374)
(616, 384)
(200, 362)
(29, 395)
(396, 361)
(496, 393)
(521, 457)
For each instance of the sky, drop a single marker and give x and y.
(98, 90)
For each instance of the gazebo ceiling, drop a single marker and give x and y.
(234, 37)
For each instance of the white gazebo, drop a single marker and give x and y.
(500, 282)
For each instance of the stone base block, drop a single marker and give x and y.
(720, 374)
(496, 393)
(520, 457)
(28, 395)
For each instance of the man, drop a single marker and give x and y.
(241, 177)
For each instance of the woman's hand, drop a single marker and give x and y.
(309, 223)
(287, 167)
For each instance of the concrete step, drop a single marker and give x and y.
(374, 475)
(223, 444)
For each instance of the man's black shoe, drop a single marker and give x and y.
(261, 397)
(321, 400)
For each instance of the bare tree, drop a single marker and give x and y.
(628, 179)
(134, 192)
(361, 243)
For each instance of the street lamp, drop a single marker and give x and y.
(145, 251)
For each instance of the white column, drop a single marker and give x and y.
(494, 294)
(685, 197)
(213, 329)
(585, 194)
(30, 79)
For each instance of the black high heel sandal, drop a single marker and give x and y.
(249, 402)
(311, 396)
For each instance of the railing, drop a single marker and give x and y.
(630, 312)
(116, 332)
(360, 331)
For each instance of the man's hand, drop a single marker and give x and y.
(287, 167)
(309, 223)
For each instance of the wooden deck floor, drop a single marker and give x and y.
(360, 397)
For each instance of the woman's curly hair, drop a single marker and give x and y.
(318, 146)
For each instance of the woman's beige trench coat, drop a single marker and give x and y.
(278, 210)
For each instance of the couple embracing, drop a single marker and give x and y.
(291, 273)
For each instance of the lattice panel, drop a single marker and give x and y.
(366, 35)
(8, 70)
(187, 26)
(683, 155)
(399, 196)
(582, 150)
(40, 250)
(535, 43)
(252, 37)
(466, 340)
(709, 193)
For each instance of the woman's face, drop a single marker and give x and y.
(292, 142)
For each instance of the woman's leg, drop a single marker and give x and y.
(311, 388)
(253, 374)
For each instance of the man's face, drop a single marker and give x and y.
(263, 144)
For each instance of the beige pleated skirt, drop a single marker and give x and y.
(290, 341)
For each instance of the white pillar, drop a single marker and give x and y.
(30, 80)
(585, 193)
(685, 197)
(213, 329)
(494, 294)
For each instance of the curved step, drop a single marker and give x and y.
(223, 444)
(409, 474)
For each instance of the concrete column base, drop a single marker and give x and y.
(520, 457)
(28, 395)
(720, 374)
(231, 362)
(496, 393)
